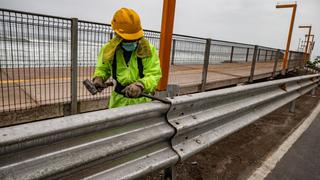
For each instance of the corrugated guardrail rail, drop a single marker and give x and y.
(125, 143)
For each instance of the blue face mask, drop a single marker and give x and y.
(129, 46)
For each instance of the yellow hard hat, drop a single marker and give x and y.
(126, 23)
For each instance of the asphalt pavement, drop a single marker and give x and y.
(302, 161)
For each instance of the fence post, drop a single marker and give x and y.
(275, 63)
(253, 64)
(74, 65)
(271, 55)
(289, 61)
(266, 55)
(205, 65)
(247, 55)
(173, 51)
(231, 55)
(110, 35)
(258, 58)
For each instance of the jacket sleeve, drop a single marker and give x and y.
(103, 69)
(152, 71)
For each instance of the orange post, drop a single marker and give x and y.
(285, 59)
(165, 41)
(307, 45)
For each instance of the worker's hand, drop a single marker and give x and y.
(98, 83)
(133, 90)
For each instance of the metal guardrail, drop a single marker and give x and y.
(125, 143)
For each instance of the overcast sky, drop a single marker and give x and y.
(247, 21)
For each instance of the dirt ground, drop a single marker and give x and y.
(238, 155)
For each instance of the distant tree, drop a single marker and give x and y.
(315, 63)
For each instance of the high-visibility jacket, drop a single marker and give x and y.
(129, 73)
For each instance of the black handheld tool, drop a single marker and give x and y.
(93, 90)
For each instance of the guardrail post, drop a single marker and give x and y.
(170, 173)
(173, 51)
(275, 63)
(271, 55)
(253, 64)
(247, 55)
(231, 54)
(205, 65)
(74, 65)
(292, 106)
(313, 92)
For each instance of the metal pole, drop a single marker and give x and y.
(272, 52)
(110, 35)
(205, 65)
(170, 173)
(313, 92)
(74, 65)
(292, 106)
(165, 40)
(231, 55)
(276, 63)
(173, 51)
(289, 60)
(253, 65)
(247, 55)
(266, 55)
(307, 45)
(258, 58)
(285, 59)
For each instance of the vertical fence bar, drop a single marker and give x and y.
(271, 57)
(173, 51)
(266, 55)
(231, 54)
(275, 63)
(289, 61)
(247, 55)
(74, 64)
(258, 58)
(205, 65)
(253, 65)
(110, 35)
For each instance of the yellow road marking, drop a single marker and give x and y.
(37, 80)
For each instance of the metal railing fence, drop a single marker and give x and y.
(34, 59)
(44, 59)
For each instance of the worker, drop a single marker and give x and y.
(130, 59)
